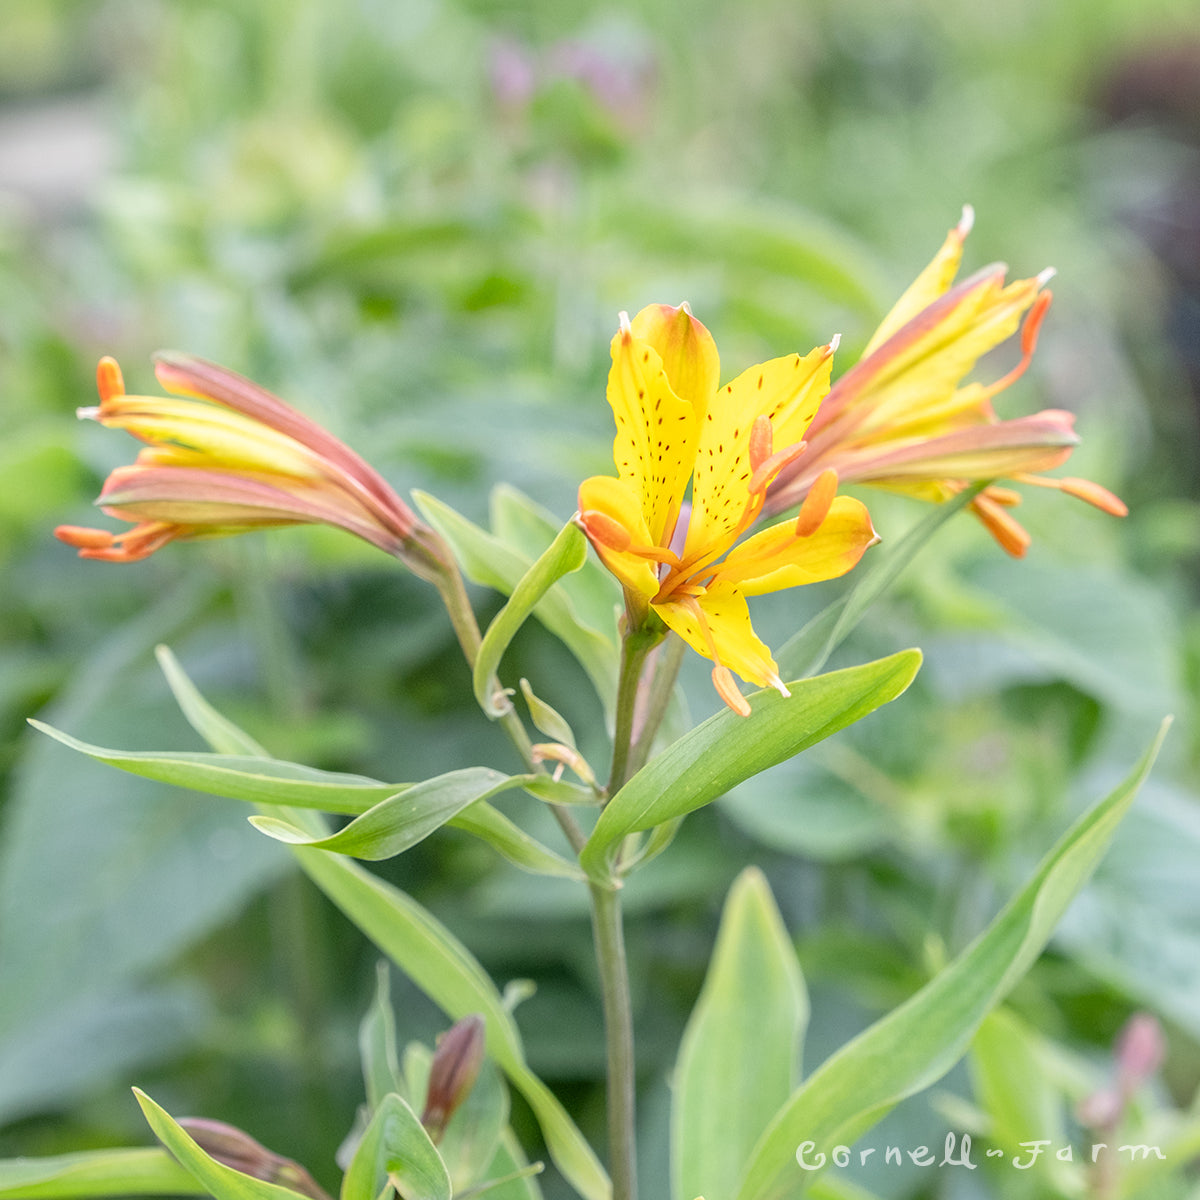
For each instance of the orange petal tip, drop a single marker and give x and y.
(728, 691)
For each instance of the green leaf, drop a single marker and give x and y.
(377, 1042)
(808, 651)
(567, 553)
(217, 730)
(739, 1058)
(258, 780)
(395, 1148)
(513, 843)
(490, 562)
(400, 821)
(140, 1172)
(222, 1182)
(921, 1040)
(726, 749)
(446, 971)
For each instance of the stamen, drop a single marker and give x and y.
(84, 539)
(609, 532)
(771, 467)
(728, 691)
(1093, 493)
(1029, 337)
(817, 503)
(1081, 489)
(1008, 532)
(109, 382)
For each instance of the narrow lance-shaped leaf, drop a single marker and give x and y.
(727, 749)
(739, 1058)
(920, 1041)
(257, 780)
(96, 1173)
(217, 730)
(401, 821)
(808, 651)
(222, 1182)
(567, 553)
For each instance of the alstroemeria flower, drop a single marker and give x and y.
(675, 424)
(902, 419)
(229, 458)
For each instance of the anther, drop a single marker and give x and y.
(761, 441)
(728, 691)
(817, 503)
(109, 382)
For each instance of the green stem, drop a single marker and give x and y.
(666, 671)
(608, 931)
(634, 648)
(450, 586)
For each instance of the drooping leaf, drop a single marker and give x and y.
(739, 1058)
(141, 1172)
(726, 749)
(257, 780)
(401, 821)
(920, 1041)
(567, 553)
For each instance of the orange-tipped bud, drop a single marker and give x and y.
(453, 1072)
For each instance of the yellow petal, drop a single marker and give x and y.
(617, 502)
(656, 432)
(777, 558)
(722, 632)
(788, 391)
(688, 352)
(929, 285)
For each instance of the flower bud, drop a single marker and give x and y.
(233, 1148)
(453, 1072)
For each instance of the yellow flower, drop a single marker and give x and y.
(902, 419)
(675, 424)
(228, 459)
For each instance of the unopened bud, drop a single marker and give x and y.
(1139, 1051)
(453, 1072)
(236, 1149)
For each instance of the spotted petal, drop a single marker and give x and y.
(777, 558)
(656, 432)
(722, 624)
(787, 390)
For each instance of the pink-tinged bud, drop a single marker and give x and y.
(453, 1072)
(1139, 1051)
(233, 1148)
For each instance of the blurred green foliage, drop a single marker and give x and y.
(417, 222)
